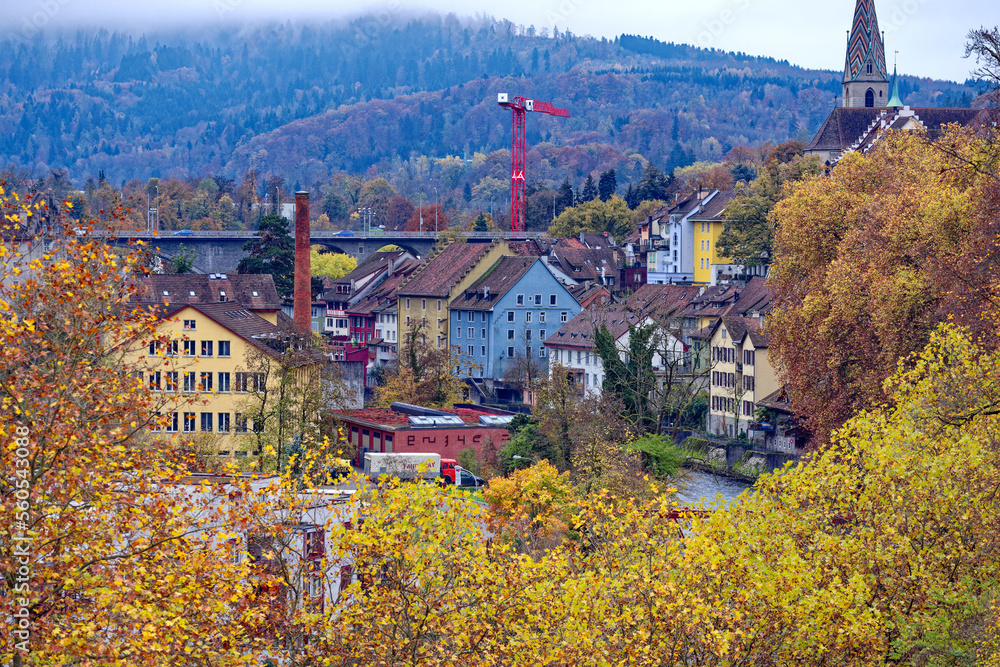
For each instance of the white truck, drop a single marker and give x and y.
(403, 466)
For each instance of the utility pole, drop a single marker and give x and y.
(437, 197)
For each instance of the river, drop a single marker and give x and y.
(696, 485)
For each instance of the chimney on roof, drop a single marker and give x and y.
(302, 299)
(389, 275)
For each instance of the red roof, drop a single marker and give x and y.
(389, 417)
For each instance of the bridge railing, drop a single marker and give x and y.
(356, 236)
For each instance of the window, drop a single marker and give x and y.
(206, 381)
(748, 408)
(588, 358)
(439, 305)
(472, 333)
(527, 334)
(189, 383)
(171, 380)
(483, 349)
(471, 350)
(407, 304)
(189, 325)
(223, 422)
(245, 382)
(510, 352)
(510, 334)
(458, 332)
(579, 356)
(482, 333)
(241, 423)
(154, 381)
(222, 296)
(206, 422)
(586, 379)
(223, 348)
(423, 304)
(189, 348)
(189, 422)
(206, 348)
(520, 299)
(748, 383)
(552, 299)
(562, 316)
(748, 357)
(458, 315)
(224, 382)
(483, 314)
(541, 334)
(527, 350)
(538, 299)
(154, 348)
(541, 352)
(541, 317)
(172, 348)
(527, 316)
(172, 422)
(510, 315)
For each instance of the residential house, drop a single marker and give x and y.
(373, 318)
(573, 346)
(591, 295)
(500, 322)
(423, 299)
(200, 367)
(741, 374)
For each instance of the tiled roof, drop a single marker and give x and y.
(715, 206)
(842, 128)
(254, 291)
(579, 331)
(586, 263)
(439, 274)
(585, 292)
(384, 296)
(376, 262)
(499, 280)
(529, 247)
(240, 320)
(662, 301)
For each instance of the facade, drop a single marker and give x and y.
(741, 375)
(200, 370)
(423, 299)
(505, 316)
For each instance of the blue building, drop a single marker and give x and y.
(500, 323)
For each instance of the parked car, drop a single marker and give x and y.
(183, 232)
(344, 232)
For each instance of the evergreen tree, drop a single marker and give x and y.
(632, 197)
(273, 251)
(566, 197)
(654, 184)
(589, 192)
(467, 192)
(607, 185)
(481, 223)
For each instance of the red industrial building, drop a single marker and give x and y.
(405, 428)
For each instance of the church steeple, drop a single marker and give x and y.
(866, 83)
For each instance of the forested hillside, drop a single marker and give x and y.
(310, 101)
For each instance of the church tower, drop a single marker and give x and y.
(866, 83)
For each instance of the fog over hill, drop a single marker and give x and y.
(309, 101)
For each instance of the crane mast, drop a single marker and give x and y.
(519, 105)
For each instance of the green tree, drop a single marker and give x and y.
(607, 185)
(589, 192)
(654, 184)
(632, 380)
(273, 252)
(183, 260)
(482, 222)
(612, 216)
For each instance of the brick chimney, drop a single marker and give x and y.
(302, 300)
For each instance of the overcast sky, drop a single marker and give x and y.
(929, 34)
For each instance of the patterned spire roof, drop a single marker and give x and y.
(865, 43)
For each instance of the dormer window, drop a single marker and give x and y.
(191, 293)
(254, 293)
(222, 295)
(166, 292)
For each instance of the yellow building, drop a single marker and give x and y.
(741, 374)
(423, 300)
(708, 224)
(217, 335)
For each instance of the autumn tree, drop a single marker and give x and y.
(423, 374)
(748, 235)
(612, 216)
(905, 238)
(330, 264)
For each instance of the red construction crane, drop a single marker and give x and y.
(519, 105)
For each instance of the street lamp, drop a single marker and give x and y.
(524, 458)
(437, 198)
